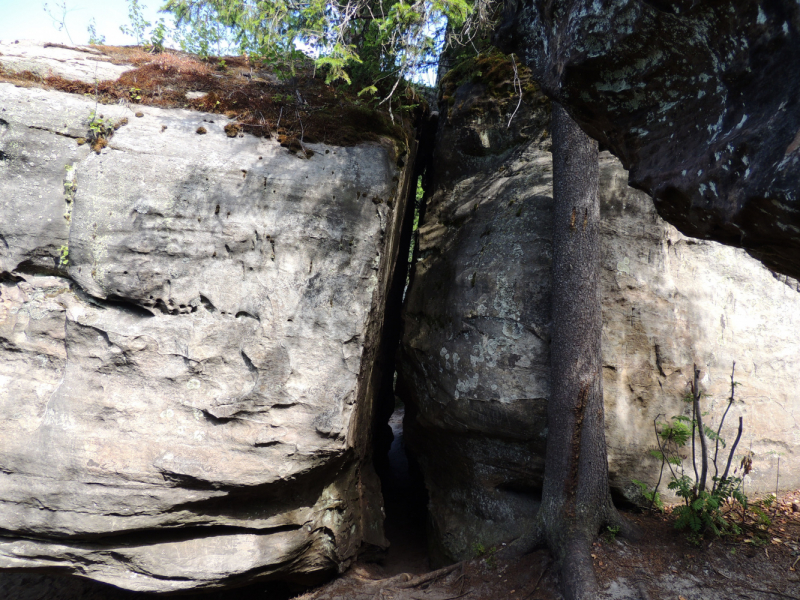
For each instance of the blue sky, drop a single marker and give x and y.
(26, 19)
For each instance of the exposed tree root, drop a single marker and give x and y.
(573, 558)
(627, 528)
(578, 581)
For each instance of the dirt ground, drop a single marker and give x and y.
(757, 565)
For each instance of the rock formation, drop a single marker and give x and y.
(474, 362)
(699, 100)
(195, 348)
(189, 337)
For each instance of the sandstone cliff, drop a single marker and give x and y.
(190, 324)
(474, 366)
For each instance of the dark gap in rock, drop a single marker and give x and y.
(40, 265)
(245, 314)
(405, 501)
(404, 495)
(208, 304)
(6, 277)
(162, 306)
(128, 306)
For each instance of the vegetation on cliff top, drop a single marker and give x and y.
(301, 108)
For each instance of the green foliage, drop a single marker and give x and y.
(652, 496)
(678, 433)
(610, 534)
(138, 25)
(480, 551)
(417, 206)
(702, 511)
(364, 43)
(158, 36)
(99, 127)
(63, 252)
(94, 37)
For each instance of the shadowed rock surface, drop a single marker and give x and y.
(474, 366)
(189, 337)
(699, 100)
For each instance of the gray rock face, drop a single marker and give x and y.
(189, 327)
(474, 367)
(77, 63)
(698, 99)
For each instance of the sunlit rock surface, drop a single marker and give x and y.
(474, 368)
(189, 327)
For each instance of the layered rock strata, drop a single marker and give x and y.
(474, 363)
(189, 337)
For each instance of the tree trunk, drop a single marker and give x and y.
(576, 501)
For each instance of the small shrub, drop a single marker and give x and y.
(702, 510)
(100, 129)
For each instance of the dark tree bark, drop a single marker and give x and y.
(576, 501)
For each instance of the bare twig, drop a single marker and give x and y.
(733, 449)
(703, 444)
(264, 122)
(517, 84)
(719, 429)
(663, 462)
(694, 426)
(426, 578)
(302, 133)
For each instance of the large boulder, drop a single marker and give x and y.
(190, 325)
(699, 100)
(474, 362)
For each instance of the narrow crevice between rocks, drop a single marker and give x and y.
(404, 495)
(405, 501)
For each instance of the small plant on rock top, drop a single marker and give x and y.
(100, 129)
